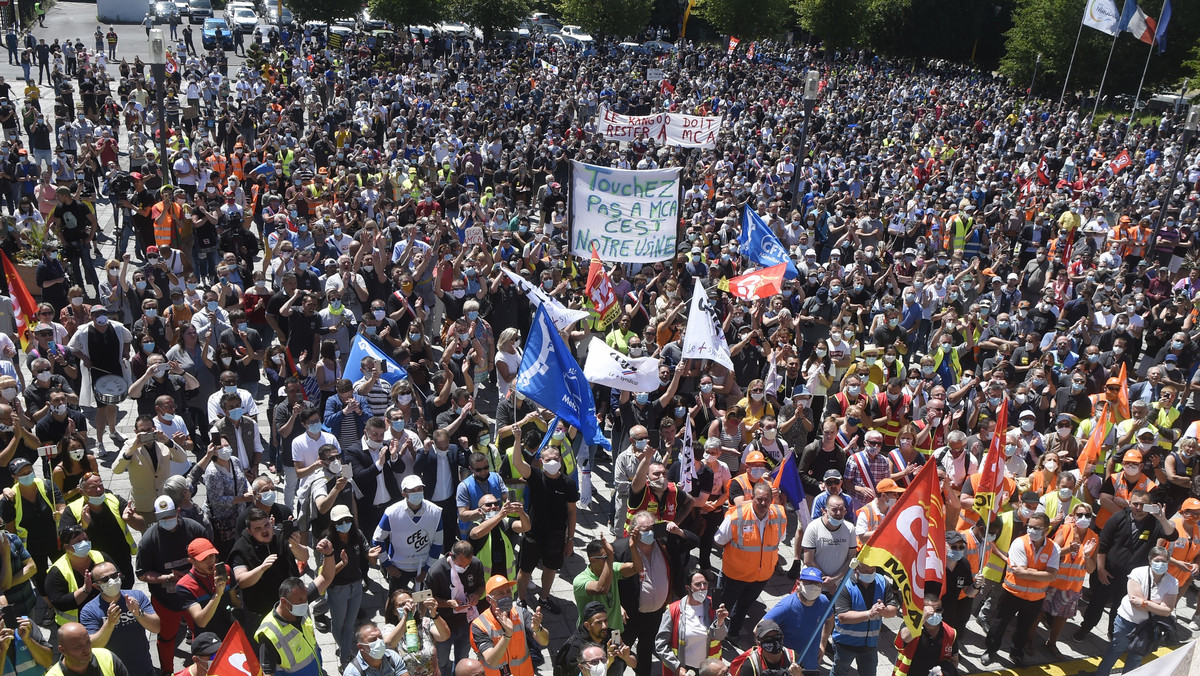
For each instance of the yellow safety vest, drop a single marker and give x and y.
(485, 556)
(63, 564)
(41, 486)
(297, 649)
(104, 660)
(994, 568)
(114, 506)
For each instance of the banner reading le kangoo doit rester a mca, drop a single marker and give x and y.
(630, 216)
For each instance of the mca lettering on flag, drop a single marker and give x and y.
(550, 376)
(761, 245)
(1135, 21)
(599, 290)
(626, 215)
(910, 545)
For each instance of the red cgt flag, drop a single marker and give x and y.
(599, 290)
(1043, 172)
(24, 309)
(761, 283)
(236, 656)
(1091, 450)
(1120, 162)
(910, 544)
(733, 43)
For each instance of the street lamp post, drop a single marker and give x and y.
(1189, 131)
(158, 69)
(1033, 82)
(812, 86)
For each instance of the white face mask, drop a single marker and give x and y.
(699, 595)
(551, 467)
(810, 591)
(1064, 494)
(300, 609)
(377, 649)
(597, 670)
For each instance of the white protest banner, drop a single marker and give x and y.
(654, 74)
(559, 314)
(605, 366)
(630, 216)
(674, 129)
(474, 235)
(704, 338)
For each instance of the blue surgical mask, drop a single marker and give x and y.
(397, 425)
(150, 313)
(235, 414)
(643, 397)
(82, 548)
(314, 428)
(647, 537)
(343, 527)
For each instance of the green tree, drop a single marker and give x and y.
(837, 22)
(621, 18)
(490, 16)
(403, 13)
(320, 10)
(746, 19)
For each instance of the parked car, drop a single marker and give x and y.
(577, 33)
(244, 18)
(199, 10)
(274, 18)
(371, 23)
(216, 32)
(184, 8)
(165, 11)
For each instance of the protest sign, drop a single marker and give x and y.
(674, 129)
(629, 216)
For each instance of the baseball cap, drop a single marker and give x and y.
(888, 486)
(410, 482)
(1133, 455)
(201, 548)
(765, 628)
(755, 456)
(832, 474)
(206, 644)
(810, 574)
(164, 504)
(136, 175)
(340, 513)
(1190, 504)
(1030, 497)
(1027, 413)
(498, 582)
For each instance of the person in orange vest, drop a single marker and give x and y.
(918, 655)
(887, 493)
(1115, 492)
(691, 630)
(1033, 562)
(743, 484)
(1077, 543)
(1185, 550)
(498, 635)
(751, 534)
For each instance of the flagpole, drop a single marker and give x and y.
(1096, 105)
(1072, 63)
(1153, 41)
(819, 627)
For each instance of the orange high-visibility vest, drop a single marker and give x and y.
(1030, 590)
(1071, 568)
(973, 555)
(749, 556)
(238, 166)
(1185, 548)
(1122, 489)
(218, 164)
(874, 518)
(165, 230)
(516, 654)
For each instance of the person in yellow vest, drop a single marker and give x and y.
(69, 581)
(286, 637)
(1033, 562)
(79, 658)
(107, 519)
(692, 629)
(1077, 544)
(935, 647)
(751, 534)
(494, 535)
(499, 634)
(1058, 504)
(32, 509)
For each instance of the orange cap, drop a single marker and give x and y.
(888, 486)
(1133, 455)
(756, 456)
(1190, 504)
(498, 582)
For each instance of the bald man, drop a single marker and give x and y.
(80, 658)
(468, 667)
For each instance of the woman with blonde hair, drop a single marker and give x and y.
(508, 359)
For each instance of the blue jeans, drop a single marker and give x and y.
(344, 602)
(843, 657)
(1119, 643)
(459, 643)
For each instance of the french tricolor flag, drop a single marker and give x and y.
(1134, 20)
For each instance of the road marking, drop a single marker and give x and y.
(1086, 665)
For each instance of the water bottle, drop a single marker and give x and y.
(412, 641)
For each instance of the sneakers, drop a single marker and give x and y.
(1018, 659)
(990, 657)
(550, 604)
(117, 439)
(1079, 635)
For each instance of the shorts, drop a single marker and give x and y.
(1061, 603)
(545, 550)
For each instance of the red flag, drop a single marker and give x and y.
(1120, 162)
(910, 544)
(1043, 171)
(733, 43)
(600, 290)
(24, 309)
(750, 52)
(991, 472)
(665, 87)
(1123, 396)
(761, 283)
(236, 656)
(1091, 450)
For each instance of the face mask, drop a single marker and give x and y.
(1010, 450)
(810, 591)
(1132, 471)
(415, 499)
(597, 669)
(1076, 388)
(314, 428)
(343, 527)
(551, 467)
(852, 391)
(299, 609)
(955, 554)
(706, 388)
(235, 415)
(335, 467)
(647, 537)
(934, 620)
(699, 595)
(866, 578)
(1039, 382)
(853, 421)
(642, 398)
(212, 306)
(757, 473)
(101, 320)
(1026, 512)
(1158, 567)
(927, 370)
(377, 649)
(169, 523)
(822, 353)
(1036, 534)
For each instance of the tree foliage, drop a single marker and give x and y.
(1051, 26)
(407, 12)
(320, 10)
(619, 18)
(836, 22)
(490, 16)
(747, 19)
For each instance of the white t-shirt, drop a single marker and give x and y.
(693, 626)
(830, 548)
(1151, 589)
